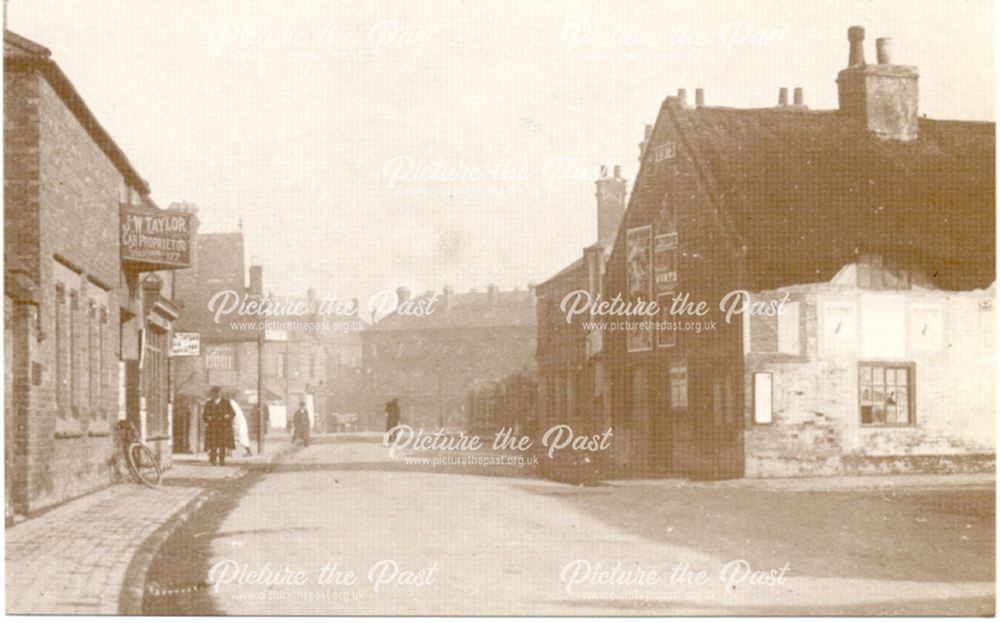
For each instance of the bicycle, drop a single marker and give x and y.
(141, 461)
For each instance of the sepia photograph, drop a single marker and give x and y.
(552, 309)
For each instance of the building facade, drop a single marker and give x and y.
(89, 283)
(572, 386)
(846, 261)
(228, 345)
(431, 360)
(307, 355)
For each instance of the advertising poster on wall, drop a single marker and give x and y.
(665, 262)
(639, 258)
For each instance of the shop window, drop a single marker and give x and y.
(154, 372)
(875, 274)
(886, 394)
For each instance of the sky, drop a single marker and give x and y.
(370, 145)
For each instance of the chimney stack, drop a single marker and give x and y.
(883, 96)
(856, 55)
(799, 99)
(682, 96)
(610, 196)
(699, 98)
(494, 293)
(783, 96)
(257, 280)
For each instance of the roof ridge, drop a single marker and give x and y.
(32, 47)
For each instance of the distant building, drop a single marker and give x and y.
(89, 288)
(429, 362)
(507, 403)
(572, 387)
(228, 356)
(877, 224)
(307, 356)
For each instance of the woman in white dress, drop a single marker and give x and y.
(240, 432)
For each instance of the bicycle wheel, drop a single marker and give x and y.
(143, 465)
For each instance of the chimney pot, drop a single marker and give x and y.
(883, 95)
(699, 98)
(783, 96)
(402, 294)
(856, 35)
(799, 97)
(618, 171)
(682, 95)
(883, 50)
(604, 171)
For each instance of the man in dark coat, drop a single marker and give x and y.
(218, 416)
(392, 418)
(301, 424)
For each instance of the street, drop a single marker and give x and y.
(340, 528)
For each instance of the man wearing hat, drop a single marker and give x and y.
(218, 417)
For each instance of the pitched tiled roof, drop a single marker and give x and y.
(804, 190)
(576, 265)
(468, 310)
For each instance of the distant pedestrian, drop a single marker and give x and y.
(392, 418)
(218, 416)
(241, 430)
(301, 425)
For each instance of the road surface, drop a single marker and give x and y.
(340, 528)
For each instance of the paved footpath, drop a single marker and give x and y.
(75, 558)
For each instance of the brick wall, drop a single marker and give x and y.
(62, 203)
(817, 426)
(672, 195)
(20, 182)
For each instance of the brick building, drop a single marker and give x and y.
(430, 361)
(572, 387)
(228, 355)
(879, 227)
(87, 299)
